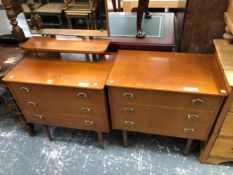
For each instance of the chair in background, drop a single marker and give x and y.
(51, 10)
(81, 9)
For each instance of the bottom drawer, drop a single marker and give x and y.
(223, 147)
(69, 121)
(162, 121)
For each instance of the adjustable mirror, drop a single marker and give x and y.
(67, 17)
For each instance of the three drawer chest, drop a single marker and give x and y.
(171, 94)
(62, 92)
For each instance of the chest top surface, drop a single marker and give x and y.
(168, 71)
(61, 72)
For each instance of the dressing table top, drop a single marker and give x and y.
(56, 71)
(167, 71)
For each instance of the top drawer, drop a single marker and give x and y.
(158, 98)
(59, 99)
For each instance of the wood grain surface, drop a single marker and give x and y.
(55, 71)
(42, 44)
(164, 71)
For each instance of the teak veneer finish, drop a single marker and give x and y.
(164, 71)
(55, 72)
(42, 44)
(218, 148)
(171, 94)
(55, 91)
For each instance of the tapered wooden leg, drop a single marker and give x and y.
(188, 145)
(46, 130)
(101, 139)
(125, 138)
(114, 5)
(29, 127)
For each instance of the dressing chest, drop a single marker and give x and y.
(171, 94)
(60, 92)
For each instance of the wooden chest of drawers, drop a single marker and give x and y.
(51, 91)
(62, 106)
(168, 94)
(219, 147)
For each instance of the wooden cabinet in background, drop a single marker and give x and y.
(54, 91)
(219, 147)
(171, 94)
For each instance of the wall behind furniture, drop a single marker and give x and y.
(204, 22)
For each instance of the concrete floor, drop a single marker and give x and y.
(75, 152)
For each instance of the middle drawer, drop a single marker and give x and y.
(163, 121)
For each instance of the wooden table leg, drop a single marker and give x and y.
(29, 127)
(147, 12)
(142, 7)
(101, 139)
(188, 145)
(46, 130)
(114, 5)
(125, 138)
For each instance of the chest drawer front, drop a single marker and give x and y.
(168, 99)
(163, 121)
(59, 99)
(70, 121)
(223, 147)
(231, 108)
(227, 127)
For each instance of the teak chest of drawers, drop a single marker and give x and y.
(171, 94)
(53, 91)
(219, 147)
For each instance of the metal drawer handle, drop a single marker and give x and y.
(129, 123)
(31, 103)
(128, 95)
(128, 109)
(38, 116)
(198, 101)
(88, 123)
(84, 109)
(192, 117)
(24, 89)
(82, 95)
(189, 130)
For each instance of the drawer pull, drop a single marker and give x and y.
(189, 130)
(82, 95)
(128, 109)
(31, 103)
(128, 95)
(88, 123)
(129, 123)
(24, 89)
(192, 117)
(38, 116)
(83, 109)
(197, 101)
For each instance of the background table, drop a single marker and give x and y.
(128, 5)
